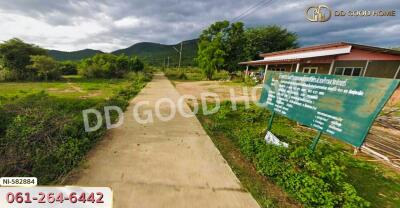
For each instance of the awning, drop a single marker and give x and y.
(309, 54)
(264, 62)
(294, 57)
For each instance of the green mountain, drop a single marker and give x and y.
(73, 55)
(157, 54)
(152, 53)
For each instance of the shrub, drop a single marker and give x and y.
(15, 57)
(68, 68)
(44, 68)
(314, 179)
(109, 66)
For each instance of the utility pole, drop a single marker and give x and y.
(180, 55)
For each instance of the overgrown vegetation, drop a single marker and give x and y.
(193, 74)
(109, 66)
(327, 178)
(43, 136)
(15, 57)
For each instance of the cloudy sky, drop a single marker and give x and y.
(114, 24)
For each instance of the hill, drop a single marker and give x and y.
(73, 55)
(151, 53)
(156, 53)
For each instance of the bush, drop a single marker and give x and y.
(44, 68)
(314, 179)
(68, 68)
(15, 56)
(221, 75)
(7, 75)
(109, 66)
(193, 74)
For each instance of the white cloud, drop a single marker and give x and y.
(110, 25)
(129, 22)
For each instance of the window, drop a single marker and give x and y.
(278, 69)
(348, 71)
(310, 70)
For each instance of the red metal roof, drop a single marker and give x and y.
(332, 46)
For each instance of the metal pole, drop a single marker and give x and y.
(297, 67)
(315, 141)
(180, 55)
(271, 119)
(247, 70)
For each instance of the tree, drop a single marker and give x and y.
(232, 42)
(135, 64)
(210, 56)
(44, 67)
(234, 46)
(268, 39)
(68, 68)
(15, 57)
(109, 66)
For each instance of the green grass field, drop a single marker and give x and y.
(69, 87)
(41, 127)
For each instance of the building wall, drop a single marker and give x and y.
(349, 64)
(382, 69)
(287, 67)
(322, 68)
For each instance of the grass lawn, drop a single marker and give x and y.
(374, 182)
(69, 87)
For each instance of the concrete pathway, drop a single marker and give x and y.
(162, 164)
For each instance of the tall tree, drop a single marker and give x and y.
(210, 56)
(226, 41)
(268, 39)
(234, 46)
(15, 56)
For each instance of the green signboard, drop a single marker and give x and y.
(342, 106)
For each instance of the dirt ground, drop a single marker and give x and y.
(223, 89)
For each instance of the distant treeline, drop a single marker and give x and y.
(23, 61)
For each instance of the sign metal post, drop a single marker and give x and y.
(315, 141)
(271, 119)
